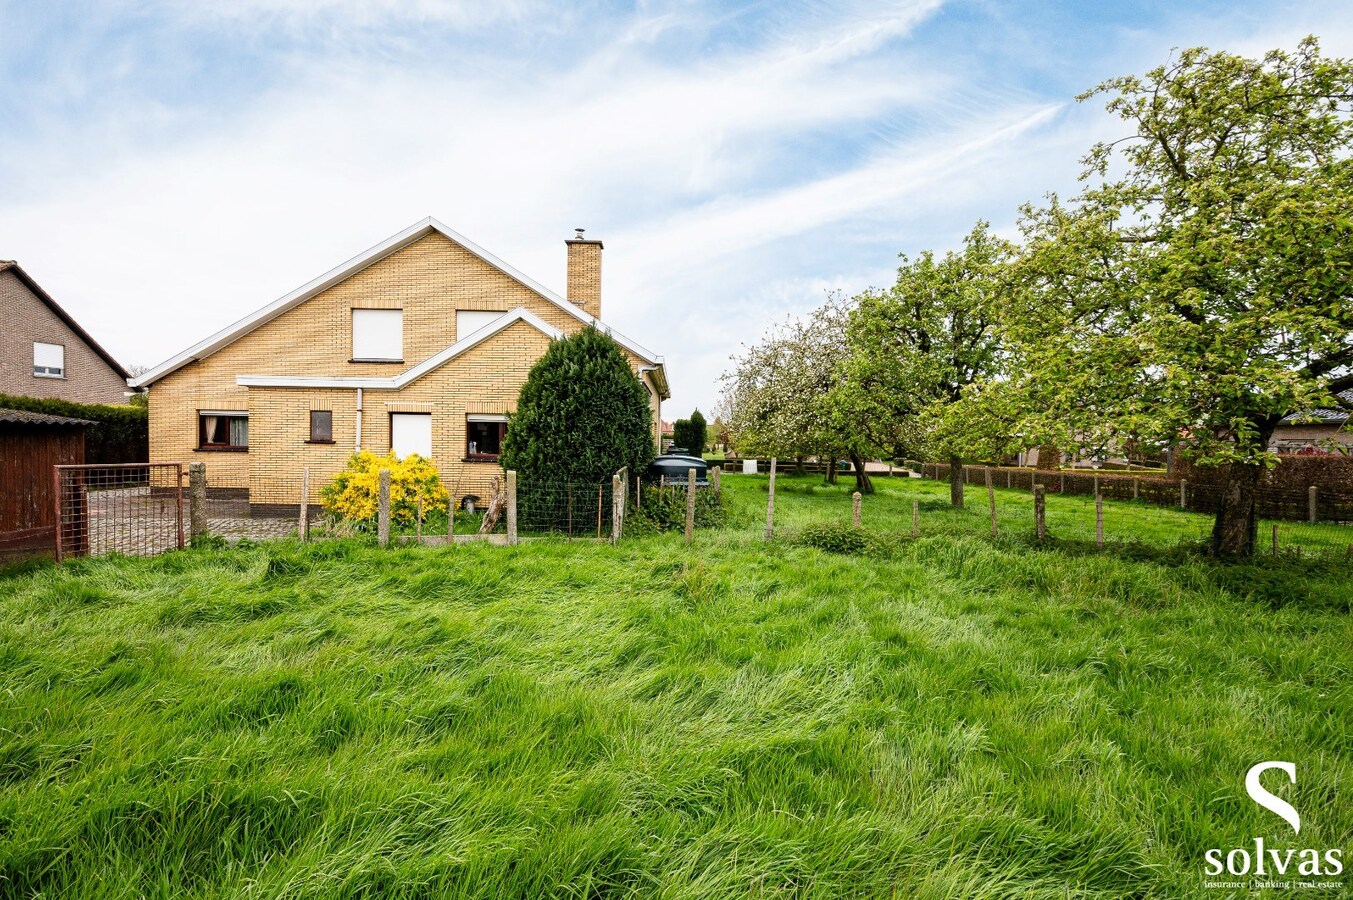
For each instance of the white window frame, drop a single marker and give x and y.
(468, 321)
(378, 335)
(45, 366)
(394, 448)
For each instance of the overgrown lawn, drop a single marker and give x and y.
(941, 717)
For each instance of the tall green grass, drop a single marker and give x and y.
(944, 717)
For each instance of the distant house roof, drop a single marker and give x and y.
(9, 265)
(393, 244)
(1322, 416)
(24, 417)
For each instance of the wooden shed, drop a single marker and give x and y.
(30, 445)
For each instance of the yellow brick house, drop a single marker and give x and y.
(420, 344)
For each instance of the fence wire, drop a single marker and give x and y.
(136, 509)
(571, 509)
(1153, 510)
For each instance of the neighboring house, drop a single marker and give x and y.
(45, 353)
(421, 344)
(1321, 431)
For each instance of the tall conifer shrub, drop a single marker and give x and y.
(582, 415)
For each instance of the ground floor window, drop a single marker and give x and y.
(321, 426)
(222, 430)
(411, 433)
(484, 437)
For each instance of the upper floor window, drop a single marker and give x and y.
(468, 321)
(377, 335)
(222, 430)
(49, 360)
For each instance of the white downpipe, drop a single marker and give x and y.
(358, 448)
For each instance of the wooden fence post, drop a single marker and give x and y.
(1311, 495)
(1040, 512)
(383, 510)
(690, 505)
(303, 527)
(916, 518)
(770, 503)
(197, 499)
(1007, 479)
(418, 522)
(715, 478)
(512, 507)
(1099, 518)
(1061, 489)
(855, 502)
(1183, 494)
(1136, 485)
(617, 505)
(638, 492)
(1275, 539)
(991, 501)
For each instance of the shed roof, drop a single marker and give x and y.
(24, 417)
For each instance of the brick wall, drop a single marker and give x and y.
(429, 280)
(584, 275)
(88, 378)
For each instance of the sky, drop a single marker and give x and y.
(169, 166)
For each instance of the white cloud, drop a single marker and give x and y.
(731, 184)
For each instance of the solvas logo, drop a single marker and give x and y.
(1270, 862)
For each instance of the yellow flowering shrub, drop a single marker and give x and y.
(354, 493)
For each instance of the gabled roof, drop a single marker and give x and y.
(395, 382)
(1322, 416)
(9, 265)
(391, 245)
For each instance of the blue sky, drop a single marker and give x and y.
(170, 165)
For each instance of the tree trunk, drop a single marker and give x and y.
(862, 482)
(831, 470)
(1236, 527)
(798, 465)
(956, 482)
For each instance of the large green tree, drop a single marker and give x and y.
(1198, 289)
(581, 416)
(925, 353)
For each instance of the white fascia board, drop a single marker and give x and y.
(396, 382)
(390, 245)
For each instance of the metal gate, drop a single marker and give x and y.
(132, 508)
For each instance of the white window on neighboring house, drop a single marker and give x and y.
(411, 433)
(49, 360)
(378, 335)
(468, 321)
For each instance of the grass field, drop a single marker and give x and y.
(944, 717)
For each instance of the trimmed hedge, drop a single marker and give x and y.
(121, 434)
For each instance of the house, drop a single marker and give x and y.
(1320, 431)
(419, 345)
(45, 353)
(30, 444)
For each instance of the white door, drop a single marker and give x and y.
(411, 433)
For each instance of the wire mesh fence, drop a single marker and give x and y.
(565, 508)
(134, 508)
(1154, 517)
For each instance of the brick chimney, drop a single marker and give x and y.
(584, 273)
